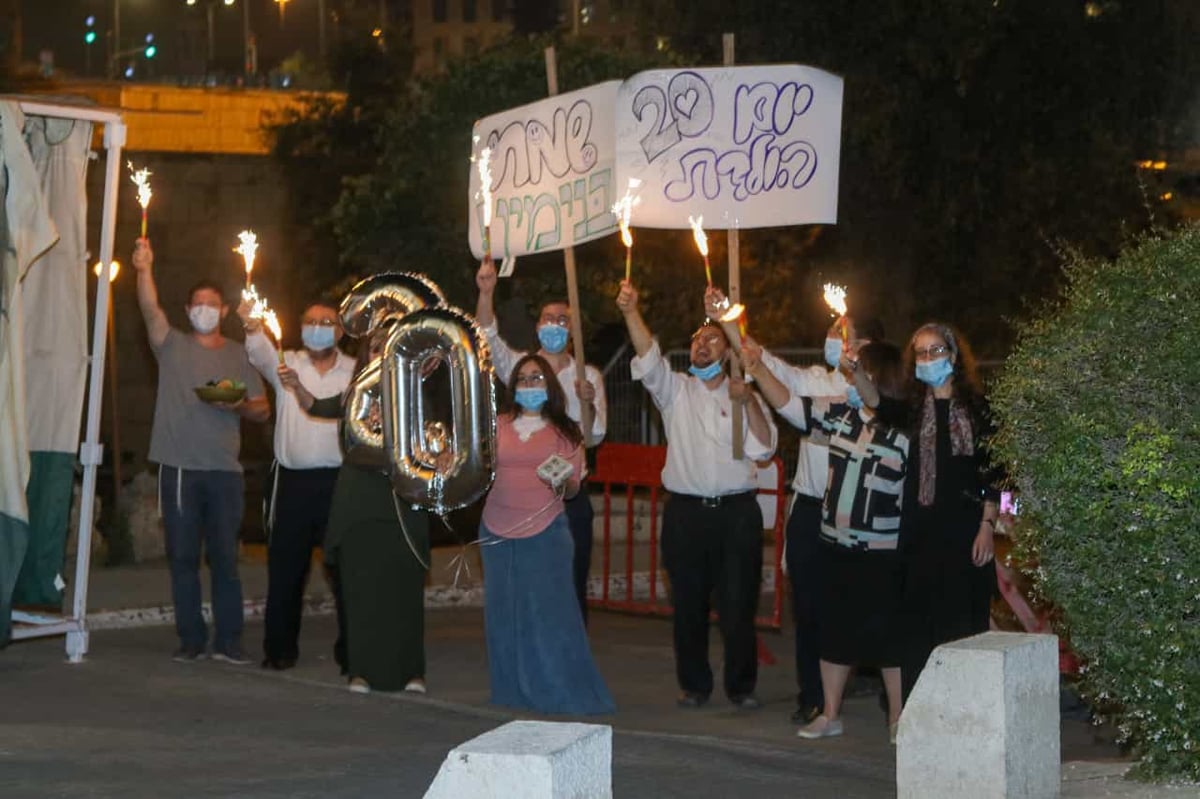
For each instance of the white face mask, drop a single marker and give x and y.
(204, 318)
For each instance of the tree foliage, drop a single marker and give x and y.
(976, 138)
(1100, 425)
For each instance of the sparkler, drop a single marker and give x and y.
(141, 178)
(835, 298)
(484, 164)
(272, 323)
(701, 244)
(247, 248)
(624, 210)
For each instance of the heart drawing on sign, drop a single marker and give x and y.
(685, 102)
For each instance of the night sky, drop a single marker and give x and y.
(180, 32)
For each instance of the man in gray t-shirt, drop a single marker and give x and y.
(196, 445)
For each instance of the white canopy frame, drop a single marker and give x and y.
(91, 451)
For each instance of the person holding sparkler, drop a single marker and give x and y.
(307, 458)
(553, 333)
(712, 523)
(859, 577)
(196, 445)
(802, 549)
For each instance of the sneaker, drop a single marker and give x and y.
(746, 702)
(359, 686)
(893, 731)
(232, 657)
(187, 654)
(415, 686)
(821, 727)
(690, 700)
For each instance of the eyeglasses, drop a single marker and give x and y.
(935, 351)
(707, 338)
(319, 322)
(531, 380)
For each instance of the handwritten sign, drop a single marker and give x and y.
(553, 173)
(747, 147)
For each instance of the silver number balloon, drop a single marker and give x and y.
(388, 295)
(394, 419)
(441, 448)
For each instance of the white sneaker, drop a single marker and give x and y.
(359, 686)
(821, 727)
(893, 731)
(415, 686)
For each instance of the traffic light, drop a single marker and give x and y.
(151, 47)
(89, 36)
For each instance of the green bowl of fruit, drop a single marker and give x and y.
(226, 390)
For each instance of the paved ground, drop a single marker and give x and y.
(130, 723)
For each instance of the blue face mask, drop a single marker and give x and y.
(706, 372)
(531, 399)
(318, 337)
(853, 398)
(553, 338)
(935, 373)
(833, 352)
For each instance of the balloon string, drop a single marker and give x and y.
(407, 538)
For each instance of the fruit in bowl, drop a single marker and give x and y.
(224, 390)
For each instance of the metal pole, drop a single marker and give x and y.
(246, 65)
(322, 44)
(113, 381)
(116, 43)
(212, 49)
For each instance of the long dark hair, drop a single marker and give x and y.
(555, 409)
(968, 388)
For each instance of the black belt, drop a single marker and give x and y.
(717, 501)
(805, 499)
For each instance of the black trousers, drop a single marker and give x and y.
(713, 555)
(301, 508)
(579, 518)
(805, 572)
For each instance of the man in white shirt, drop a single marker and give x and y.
(554, 338)
(307, 458)
(712, 523)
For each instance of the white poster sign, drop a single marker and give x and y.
(746, 147)
(552, 173)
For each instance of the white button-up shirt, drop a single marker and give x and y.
(699, 427)
(812, 461)
(302, 441)
(504, 358)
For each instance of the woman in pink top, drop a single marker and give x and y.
(538, 652)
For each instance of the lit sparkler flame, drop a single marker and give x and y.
(141, 179)
(701, 243)
(624, 210)
(483, 163)
(272, 323)
(835, 298)
(247, 248)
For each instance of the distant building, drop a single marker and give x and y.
(446, 29)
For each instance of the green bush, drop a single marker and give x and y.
(1098, 415)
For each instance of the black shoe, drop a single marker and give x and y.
(805, 714)
(746, 702)
(279, 664)
(690, 700)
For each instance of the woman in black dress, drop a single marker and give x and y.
(951, 499)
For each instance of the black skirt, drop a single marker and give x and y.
(861, 621)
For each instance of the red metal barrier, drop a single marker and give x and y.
(636, 466)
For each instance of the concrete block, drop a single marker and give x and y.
(983, 721)
(531, 760)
